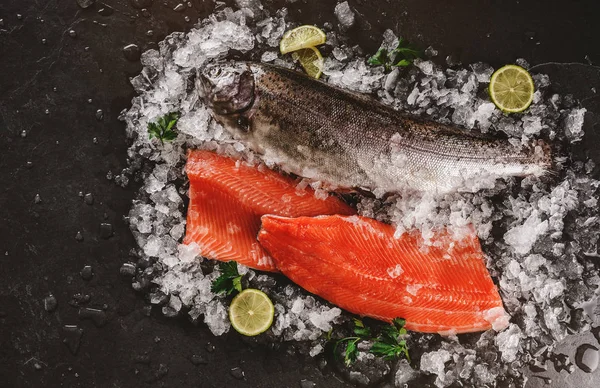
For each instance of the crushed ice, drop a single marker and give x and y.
(524, 234)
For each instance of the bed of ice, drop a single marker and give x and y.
(538, 235)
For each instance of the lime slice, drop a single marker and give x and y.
(511, 89)
(311, 60)
(251, 312)
(301, 37)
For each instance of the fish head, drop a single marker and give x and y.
(227, 88)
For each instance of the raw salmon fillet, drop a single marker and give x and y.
(227, 199)
(356, 263)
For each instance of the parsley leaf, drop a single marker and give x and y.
(351, 351)
(163, 129)
(380, 57)
(229, 281)
(391, 343)
(360, 329)
(402, 56)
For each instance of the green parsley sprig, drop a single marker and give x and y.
(229, 281)
(389, 344)
(403, 55)
(361, 333)
(163, 128)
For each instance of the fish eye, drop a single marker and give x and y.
(214, 72)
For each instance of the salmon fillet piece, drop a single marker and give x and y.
(356, 263)
(227, 199)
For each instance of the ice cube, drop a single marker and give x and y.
(253, 5)
(269, 56)
(435, 363)
(483, 375)
(404, 374)
(522, 237)
(412, 97)
(548, 290)
(153, 185)
(216, 318)
(425, 66)
(483, 114)
(395, 271)
(574, 125)
(153, 246)
(523, 63)
(482, 71)
(509, 342)
(390, 40)
(344, 14)
(188, 253)
(323, 319)
(315, 350)
(533, 262)
(340, 54)
(174, 306)
(532, 125)
(195, 123)
(297, 306)
(431, 52)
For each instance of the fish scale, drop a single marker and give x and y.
(348, 140)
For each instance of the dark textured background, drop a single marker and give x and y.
(39, 254)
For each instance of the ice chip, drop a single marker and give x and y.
(425, 66)
(269, 56)
(188, 253)
(395, 271)
(435, 363)
(574, 125)
(344, 14)
(254, 5)
(216, 318)
(153, 246)
(390, 40)
(323, 319)
(483, 114)
(509, 342)
(340, 54)
(532, 125)
(297, 306)
(522, 237)
(498, 317)
(483, 72)
(412, 97)
(404, 373)
(315, 350)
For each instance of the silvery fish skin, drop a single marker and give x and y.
(347, 140)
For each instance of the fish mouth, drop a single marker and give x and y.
(227, 100)
(203, 86)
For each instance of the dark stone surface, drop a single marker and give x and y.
(64, 80)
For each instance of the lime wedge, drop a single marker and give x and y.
(301, 37)
(511, 89)
(311, 60)
(251, 312)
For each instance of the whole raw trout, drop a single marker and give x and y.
(347, 140)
